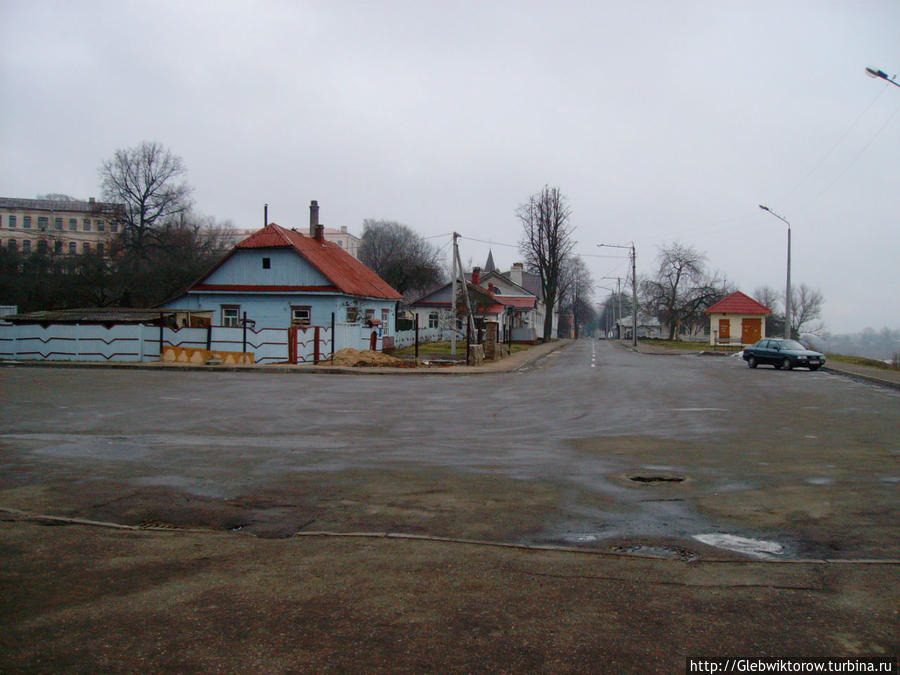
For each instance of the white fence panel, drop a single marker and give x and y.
(269, 345)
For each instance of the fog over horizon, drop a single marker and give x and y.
(659, 121)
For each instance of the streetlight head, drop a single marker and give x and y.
(872, 72)
(764, 208)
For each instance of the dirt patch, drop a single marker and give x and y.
(367, 358)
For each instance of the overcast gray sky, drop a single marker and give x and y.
(660, 121)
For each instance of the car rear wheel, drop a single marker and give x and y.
(752, 362)
(786, 364)
(812, 368)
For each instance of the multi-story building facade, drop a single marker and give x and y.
(59, 225)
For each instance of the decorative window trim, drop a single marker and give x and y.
(231, 315)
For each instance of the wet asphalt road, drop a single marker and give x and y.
(807, 463)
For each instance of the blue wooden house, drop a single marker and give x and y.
(281, 278)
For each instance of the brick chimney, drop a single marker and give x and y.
(476, 275)
(515, 273)
(313, 217)
(320, 233)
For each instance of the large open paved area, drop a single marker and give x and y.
(654, 507)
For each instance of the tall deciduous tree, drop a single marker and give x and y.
(546, 243)
(806, 308)
(682, 288)
(400, 256)
(149, 180)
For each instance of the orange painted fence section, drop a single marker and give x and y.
(201, 356)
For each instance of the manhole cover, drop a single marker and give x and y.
(657, 479)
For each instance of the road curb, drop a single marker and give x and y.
(863, 377)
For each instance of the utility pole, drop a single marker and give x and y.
(633, 290)
(453, 298)
(634, 326)
(462, 276)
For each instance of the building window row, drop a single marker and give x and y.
(44, 222)
(86, 247)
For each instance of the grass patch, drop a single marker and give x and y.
(443, 348)
(860, 361)
(676, 344)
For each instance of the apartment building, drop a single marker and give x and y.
(59, 225)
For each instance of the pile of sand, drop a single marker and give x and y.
(354, 357)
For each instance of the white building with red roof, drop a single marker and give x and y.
(494, 299)
(737, 319)
(280, 278)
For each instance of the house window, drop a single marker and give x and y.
(385, 317)
(57, 247)
(231, 315)
(267, 263)
(73, 247)
(300, 315)
(113, 227)
(43, 221)
(99, 249)
(57, 223)
(12, 222)
(73, 224)
(13, 245)
(42, 246)
(26, 222)
(86, 247)
(433, 319)
(352, 314)
(100, 225)
(370, 315)
(26, 246)
(87, 225)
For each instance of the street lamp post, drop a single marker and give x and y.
(634, 307)
(881, 75)
(787, 292)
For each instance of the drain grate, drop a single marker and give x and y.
(656, 479)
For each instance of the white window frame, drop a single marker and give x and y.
(228, 319)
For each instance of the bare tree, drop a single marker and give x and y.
(682, 288)
(576, 288)
(401, 257)
(806, 306)
(546, 243)
(769, 297)
(148, 180)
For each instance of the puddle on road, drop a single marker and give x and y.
(756, 548)
(657, 478)
(820, 480)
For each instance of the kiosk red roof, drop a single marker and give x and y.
(738, 303)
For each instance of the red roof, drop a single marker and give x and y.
(347, 273)
(738, 303)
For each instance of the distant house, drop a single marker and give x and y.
(648, 327)
(737, 319)
(282, 278)
(494, 299)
